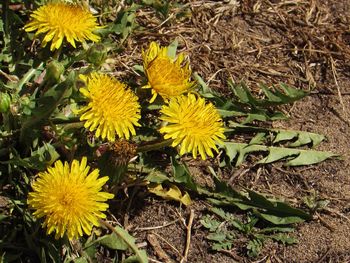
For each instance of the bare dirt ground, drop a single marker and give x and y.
(302, 43)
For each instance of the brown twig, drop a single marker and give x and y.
(188, 239)
(158, 250)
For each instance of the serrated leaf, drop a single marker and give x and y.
(209, 223)
(228, 217)
(273, 95)
(298, 138)
(222, 246)
(302, 138)
(276, 212)
(284, 238)
(295, 157)
(310, 157)
(170, 193)
(254, 247)
(219, 237)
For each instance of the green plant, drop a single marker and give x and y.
(41, 97)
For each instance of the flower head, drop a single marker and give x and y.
(69, 198)
(112, 109)
(195, 125)
(167, 76)
(63, 20)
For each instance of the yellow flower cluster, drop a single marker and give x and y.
(191, 122)
(68, 196)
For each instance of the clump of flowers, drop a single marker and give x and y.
(167, 76)
(194, 124)
(63, 20)
(113, 109)
(70, 198)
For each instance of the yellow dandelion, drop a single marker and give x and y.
(195, 125)
(63, 20)
(167, 77)
(70, 198)
(113, 109)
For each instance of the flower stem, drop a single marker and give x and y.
(57, 53)
(65, 121)
(155, 145)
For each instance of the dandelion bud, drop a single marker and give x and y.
(5, 101)
(54, 71)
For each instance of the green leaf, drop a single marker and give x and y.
(284, 238)
(39, 159)
(302, 138)
(140, 255)
(210, 223)
(276, 212)
(183, 175)
(254, 247)
(135, 259)
(294, 157)
(274, 96)
(112, 241)
(258, 138)
(219, 237)
(229, 218)
(205, 90)
(273, 211)
(297, 138)
(156, 176)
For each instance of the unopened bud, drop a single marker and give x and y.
(5, 101)
(54, 71)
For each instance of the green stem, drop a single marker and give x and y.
(5, 13)
(57, 53)
(155, 145)
(65, 121)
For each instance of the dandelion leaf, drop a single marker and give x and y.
(237, 152)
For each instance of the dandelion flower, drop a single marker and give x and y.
(113, 109)
(70, 198)
(63, 20)
(195, 125)
(167, 76)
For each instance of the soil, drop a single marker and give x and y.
(302, 43)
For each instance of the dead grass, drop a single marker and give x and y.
(302, 43)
